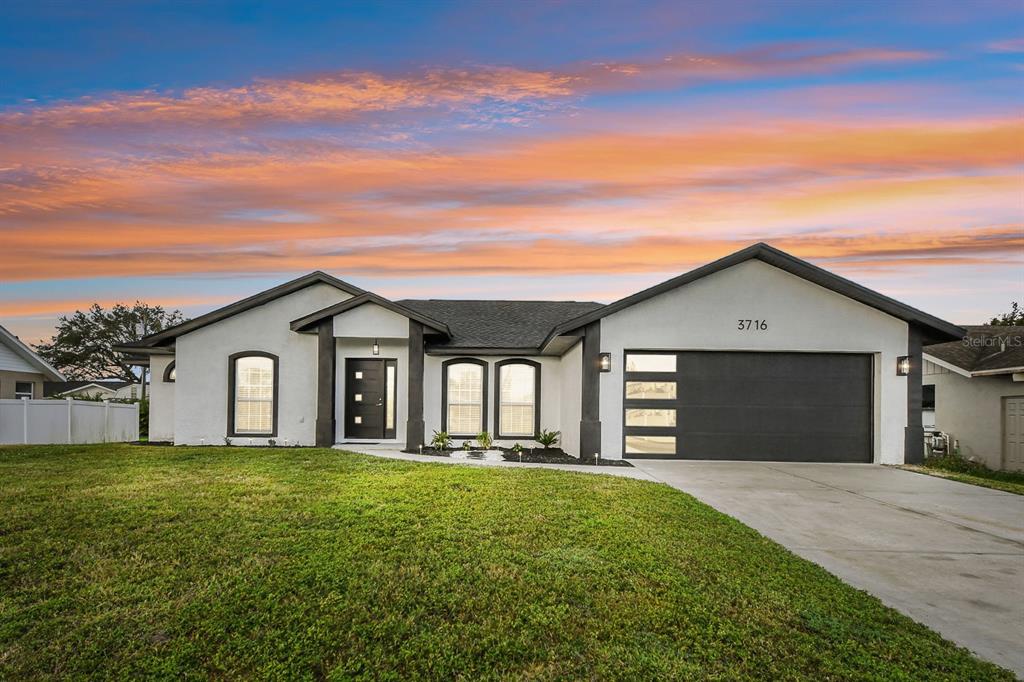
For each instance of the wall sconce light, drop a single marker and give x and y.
(376, 347)
(903, 365)
(605, 362)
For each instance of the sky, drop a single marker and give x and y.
(190, 154)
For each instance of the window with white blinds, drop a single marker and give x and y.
(517, 400)
(465, 398)
(254, 395)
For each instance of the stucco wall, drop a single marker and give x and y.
(801, 316)
(9, 379)
(371, 321)
(161, 400)
(550, 391)
(970, 409)
(202, 368)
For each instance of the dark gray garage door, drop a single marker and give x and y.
(799, 407)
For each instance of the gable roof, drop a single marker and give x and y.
(28, 355)
(512, 325)
(309, 321)
(987, 349)
(56, 388)
(933, 328)
(168, 335)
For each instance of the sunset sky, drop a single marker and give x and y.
(190, 154)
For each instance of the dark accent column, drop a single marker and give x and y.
(414, 424)
(913, 434)
(325, 383)
(590, 414)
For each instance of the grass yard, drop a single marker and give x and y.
(123, 561)
(957, 469)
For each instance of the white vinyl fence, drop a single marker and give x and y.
(67, 421)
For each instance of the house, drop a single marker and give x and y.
(22, 372)
(756, 356)
(976, 388)
(107, 389)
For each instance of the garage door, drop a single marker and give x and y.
(797, 407)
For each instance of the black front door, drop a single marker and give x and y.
(369, 398)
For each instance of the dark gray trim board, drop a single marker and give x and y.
(231, 392)
(444, 395)
(935, 330)
(308, 322)
(414, 426)
(913, 433)
(497, 396)
(326, 378)
(169, 334)
(590, 399)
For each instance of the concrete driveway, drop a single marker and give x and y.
(947, 554)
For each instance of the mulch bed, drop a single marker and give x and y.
(532, 456)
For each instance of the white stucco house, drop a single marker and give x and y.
(975, 386)
(758, 356)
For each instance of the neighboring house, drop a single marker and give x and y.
(977, 389)
(108, 389)
(757, 356)
(22, 372)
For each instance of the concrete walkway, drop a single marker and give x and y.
(948, 554)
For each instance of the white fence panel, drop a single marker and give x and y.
(67, 421)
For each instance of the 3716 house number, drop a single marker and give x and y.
(752, 325)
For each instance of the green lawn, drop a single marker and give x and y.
(957, 469)
(122, 561)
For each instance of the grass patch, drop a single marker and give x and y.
(129, 561)
(959, 469)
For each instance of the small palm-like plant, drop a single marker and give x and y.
(548, 439)
(467, 445)
(441, 440)
(485, 440)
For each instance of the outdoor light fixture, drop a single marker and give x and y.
(376, 347)
(903, 365)
(605, 363)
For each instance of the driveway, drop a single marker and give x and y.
(947, 554)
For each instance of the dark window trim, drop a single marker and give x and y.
(444, 394)
(497, 396)
(232, 361)
(167, 372)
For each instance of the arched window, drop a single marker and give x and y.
(517, 395)
(464, 397)
(170, 373)
(252, 394)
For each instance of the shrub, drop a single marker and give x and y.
(485, 440)
(467, 445)
(441, 440)
(548, 439)
(955, 463)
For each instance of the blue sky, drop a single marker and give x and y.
(189, 154)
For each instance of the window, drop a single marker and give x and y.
(651, 445)
(170, 373)
(928, 397)
(649, 362)
(23, 389)
(650, 417)
(464, 397)
(518, 398)
(252, 383)
(389, 405)
(650, 390)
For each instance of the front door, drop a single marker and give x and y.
(369, 398)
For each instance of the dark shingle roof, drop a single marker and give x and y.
(499, 324)
(986, 348)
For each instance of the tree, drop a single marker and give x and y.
(1011, 319)
(83, 347)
